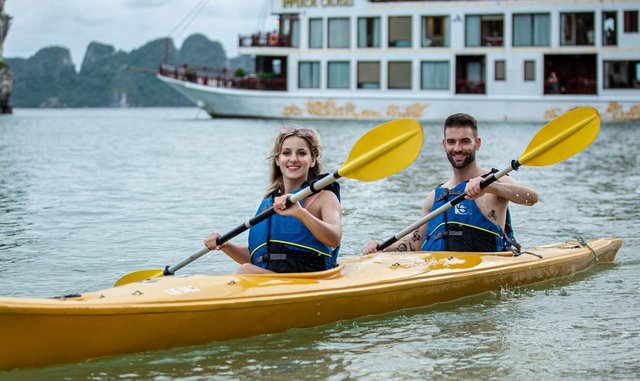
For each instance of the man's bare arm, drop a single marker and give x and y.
(506, 188)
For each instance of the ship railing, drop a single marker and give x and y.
(466, 86)
(573, 86)
(222, 77)
(264, 39)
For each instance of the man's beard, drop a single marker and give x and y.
(467, 160)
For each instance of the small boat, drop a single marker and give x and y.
(175, 311)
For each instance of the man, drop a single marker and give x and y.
(479, 223)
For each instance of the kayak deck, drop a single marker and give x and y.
(179, 311)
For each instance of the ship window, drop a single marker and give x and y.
(631, 21)
(290, 30)
(500, 72)
(338, 75)
(276, 66)
(609, 26)
(399, 32)
(399, 75)
(484, 30)
(529, 70)
(368, 75)
(470, 75)
(315, 33)
(369, 32)
(339, 32)
(531, 29)
(576, 28)
(435, 31)
(308, 75)
(434, 75)
(574, 73)
(621, 74)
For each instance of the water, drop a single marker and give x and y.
(88, 195)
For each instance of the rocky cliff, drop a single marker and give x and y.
(110, 78)
(6, 76)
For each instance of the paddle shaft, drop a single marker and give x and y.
(314, 187)
(491, 178)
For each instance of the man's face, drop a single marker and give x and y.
(460, 145)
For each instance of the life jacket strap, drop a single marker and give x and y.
(295, 261)
(448, 233)
(278, 247)
(516, 248)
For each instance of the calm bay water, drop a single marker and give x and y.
(88, 195)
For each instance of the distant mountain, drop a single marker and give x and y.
(41, 78)
(110, 78)
(199, 51)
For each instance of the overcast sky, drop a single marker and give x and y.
(128, 24)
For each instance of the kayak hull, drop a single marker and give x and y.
(180, 311)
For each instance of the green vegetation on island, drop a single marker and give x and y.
(110, 78)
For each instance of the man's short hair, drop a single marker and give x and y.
(462, 120)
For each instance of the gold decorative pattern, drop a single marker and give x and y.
(552, 113)
(412, 111)
(616, 110)
(331, 108)
(348, 110)
(292, 110)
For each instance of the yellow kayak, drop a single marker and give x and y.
(180, 311)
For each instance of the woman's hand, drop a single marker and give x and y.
(280, 206)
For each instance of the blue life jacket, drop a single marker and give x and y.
(464, 227)
(284, 244)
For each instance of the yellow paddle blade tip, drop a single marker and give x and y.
(563, 137)
(384, 150)
(138, 276)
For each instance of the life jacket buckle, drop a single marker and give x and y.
(448, 233)
(278, 257)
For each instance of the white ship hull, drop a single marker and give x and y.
(230, 102)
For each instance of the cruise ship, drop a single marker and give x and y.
(507, 60)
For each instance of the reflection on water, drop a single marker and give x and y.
(87, 196)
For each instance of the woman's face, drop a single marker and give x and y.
(295, 159)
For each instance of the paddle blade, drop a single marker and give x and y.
(140, 275)
(384, 151)
(562, 137)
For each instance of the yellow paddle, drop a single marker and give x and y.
(379, 153)
(558, 140)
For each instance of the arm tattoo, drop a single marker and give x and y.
(408, 245)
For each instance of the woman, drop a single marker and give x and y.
(302, 237)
